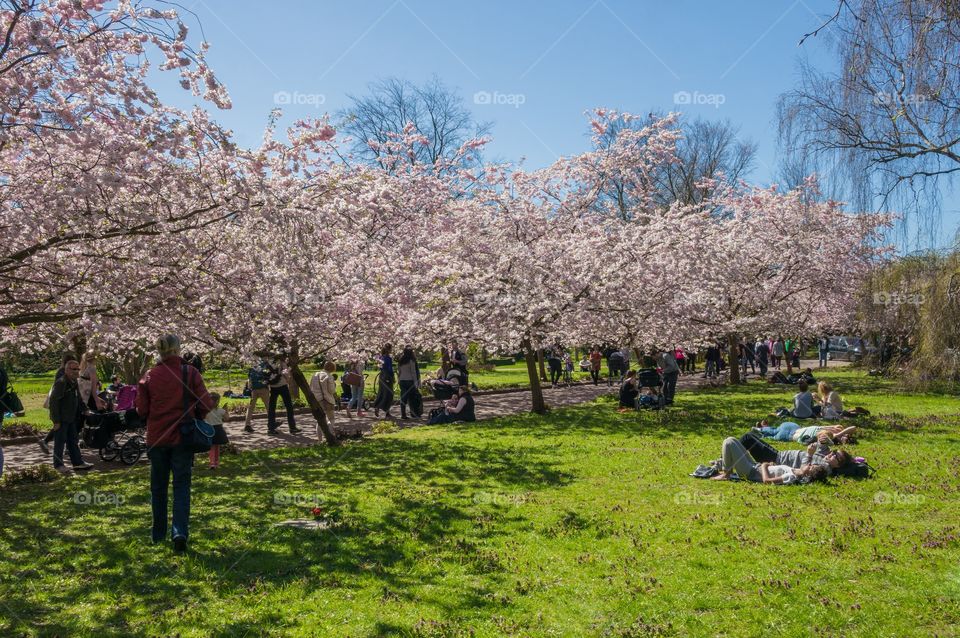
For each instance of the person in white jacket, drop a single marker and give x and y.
(324, 387)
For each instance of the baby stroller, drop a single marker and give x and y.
(115, 434)
(444, 391)
(650, 378)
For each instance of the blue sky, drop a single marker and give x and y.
(532, 68)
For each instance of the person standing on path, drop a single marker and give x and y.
(779, 349)
(458, 359)
(670, 371)
(354, 371)
(66, 410)
(324, 388)
(762, 352)
(823, 349)
(279, 389)
(384, 400)
(162, 393)
(596, 360)
(408, 375)
(554, 356)
(89, 383)
(257, 377)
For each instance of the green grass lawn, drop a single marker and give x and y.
(580, 523)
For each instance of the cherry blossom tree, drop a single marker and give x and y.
(96, 170)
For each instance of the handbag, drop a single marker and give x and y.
(352, 378)
(195, 434)
(10, 402)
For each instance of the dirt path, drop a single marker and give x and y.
(488, 406)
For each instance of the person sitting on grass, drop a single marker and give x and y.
(831, 405)
(790, 431)
(802, 404)
(737, 459)
(629, 391)
(459, 408)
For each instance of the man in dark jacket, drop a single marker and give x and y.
(65, 413)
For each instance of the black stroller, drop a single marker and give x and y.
(650, 378)
(115, 435)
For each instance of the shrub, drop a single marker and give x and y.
(42, 473)
(384, 427)
(13, 430)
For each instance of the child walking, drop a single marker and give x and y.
(215, 418)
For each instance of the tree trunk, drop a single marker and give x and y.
(315, 408)
(536, 389)
(294, 388)
(543, 370)
(733, 360)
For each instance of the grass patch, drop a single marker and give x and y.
(580, 523)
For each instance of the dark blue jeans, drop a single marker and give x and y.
(67, 435)
(280, 392)
(670, 386)
(163, 461)
(406, 389)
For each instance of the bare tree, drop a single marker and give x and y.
(886, 127)
(437, 112)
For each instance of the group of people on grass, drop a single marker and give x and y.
(752, 459)
(174, 390)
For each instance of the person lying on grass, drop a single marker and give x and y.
(818, 453)
(737, 459)
(790, 431)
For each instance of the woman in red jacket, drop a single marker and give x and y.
(162, 394)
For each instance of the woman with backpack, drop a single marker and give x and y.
(257, 380)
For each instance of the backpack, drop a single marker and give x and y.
(258, 378)
(857, 470)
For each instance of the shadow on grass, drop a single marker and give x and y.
(407, 497)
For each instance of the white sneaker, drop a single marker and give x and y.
(83, 466)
